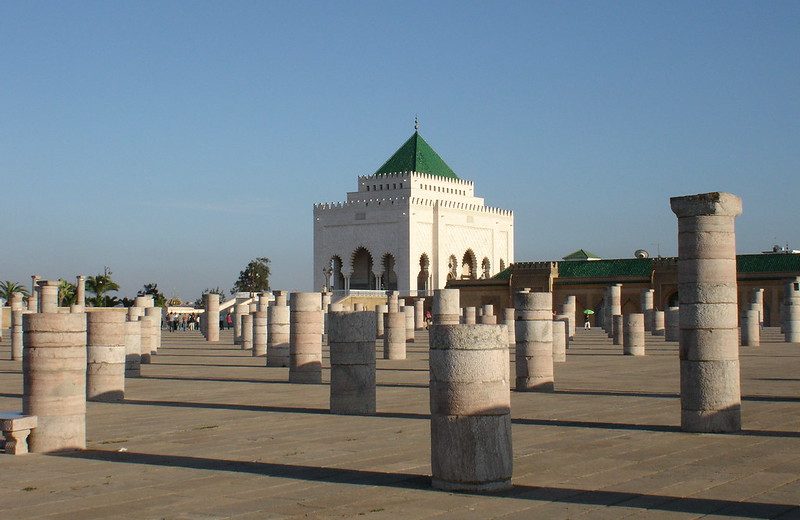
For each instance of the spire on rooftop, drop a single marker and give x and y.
(416, 155)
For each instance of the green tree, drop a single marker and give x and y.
(67, 293)
(7, 288)
(159, 300)
(216, 290)
(99, 285)
(254, 278)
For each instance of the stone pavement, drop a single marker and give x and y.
(208, 432)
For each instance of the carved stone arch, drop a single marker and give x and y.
(361, 269)
(388, 269)
(469, 265)
(452, 268)
(424, 272)
(336, 267)
(486, 268)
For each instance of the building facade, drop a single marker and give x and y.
(411, 226)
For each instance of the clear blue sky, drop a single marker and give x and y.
(175, 141)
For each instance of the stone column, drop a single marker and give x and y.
(658, 323)
(570, 308)
(33, 297)
(133, 348)
(469, 316)
(559, 341)
(394, 335)
(352, 350)
(419, 314)
(392, 301)
(144, 302)
(565, 318)
(446, 307)
(758, 300)
(751, 332)
(211, 302)
(305, 338)
(709, 350)
(48, 289)
(672, 324)
(647, 308)
(16, 326)
(792, 307)
(54, 380)
(154, 313)
(239, 310)
(534, 334)
(80, 291)
(105, 356)
(147, 331)
(247, 332)
(509, 321)
(260, 333)
(615, 305)
(380, 312)
(617, 328)
(488, 317)
(409, 313)
(633, 334)
(278, 332)
(470, 408)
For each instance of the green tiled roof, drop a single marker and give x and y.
(416, 155)
(580, 254)
(768, 263)
(641, 267)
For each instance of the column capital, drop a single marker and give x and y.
(703, 204)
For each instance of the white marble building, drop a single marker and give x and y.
(411, 226)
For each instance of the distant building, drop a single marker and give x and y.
(411, 226)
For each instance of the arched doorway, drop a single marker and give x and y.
(502, 265)
(388, 276)
(486, 269)
(362, 277)
(452, 268)
(468, 265)
(673, 300)
(337, 277)
(424, 273)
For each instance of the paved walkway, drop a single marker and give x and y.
(208, 432)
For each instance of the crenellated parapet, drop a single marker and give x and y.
(424, 201)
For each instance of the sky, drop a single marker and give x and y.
(175, 141)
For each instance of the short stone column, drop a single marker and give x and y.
(409, 313)
(247, 332)
(647, 297)
(260, 334)
(133, 348)
(751, 330)
(470, 316)
(617, 328)
(394, 335)
(80, 291)
(239, 310)
(392, 301)
(509, 321)
(470, 408)
(278, 332)
(559, 341)
(305, 337)
(792, 307)
(380, 312)
(54, 380)
(17, 310)
(633, 334)
(352, 350)
(105, 356)
(672, 324)
(33, 301)
(419, 314)
(488, 317)
(446, 309)
(211, 303)
(48, 289)
(659, 327)
(534, 335)
(154, 313)
(709, 346)
(144, 301)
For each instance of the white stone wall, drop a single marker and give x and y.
(408, 215)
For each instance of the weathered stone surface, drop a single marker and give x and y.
(352, 350)
(394, 335)
(560, 341)
(260, 333)
(751, 328)
(534, 341)
(633, 334)
(211, 326)
(446, 307)
(105, 355)
(658, 323)
(278, 332)
(133, 348)
(672, 324)
(305, 338)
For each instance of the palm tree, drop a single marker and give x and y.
(67, 293)
(8, 288)
(100, 285)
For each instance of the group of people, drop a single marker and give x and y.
(183, 321)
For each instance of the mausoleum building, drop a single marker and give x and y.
(411, 226)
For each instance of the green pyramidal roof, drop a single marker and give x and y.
(416, 155)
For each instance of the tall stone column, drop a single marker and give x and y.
(154, 313)
(380, 312)
(446, 308)
(534, 334)
(80, 291)
(133, 348)
(394, 335)
(239, 310)
(470, 316)
(570, 308)
(105, 356)
(615, 306)
(758, 299)
(559, 341)
(470, 408)
(54, 380)
(352, 350)
(488, 317)
(247, 332)
(17, 311)
(211, 302)
(792, 307)
(33, 297)
(509, 321)
(751, 332)
(305, 338)
(672, 324)
(278, 332)
(409, 313)
(147, 325)
(633, 334)
(647, 308)
(419, 314)
(617, 329)
(260, 334)
(709, 346)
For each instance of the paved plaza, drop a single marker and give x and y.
(209, 432)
